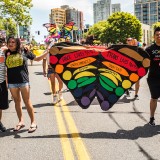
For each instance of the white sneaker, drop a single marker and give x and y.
(55, 99)
(60, 95)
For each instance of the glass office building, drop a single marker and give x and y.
(147, 11)
(103, 9)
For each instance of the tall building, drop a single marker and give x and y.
(25, 33)
(116, 7)
(103, 9)
(58, 16)
(65, 14)
(73, 14)
(147, 11)
(146, 34)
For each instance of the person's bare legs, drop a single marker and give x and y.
(31, 62)
(15, 92)
(153, 106)
(60, 82)
(25, 91)
(137, 85)
(53, 83)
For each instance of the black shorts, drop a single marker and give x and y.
(154, 87)
(3, 96)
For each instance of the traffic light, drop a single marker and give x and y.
(38, 32)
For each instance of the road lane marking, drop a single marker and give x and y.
(65, 142)
(77, 140)
(80, 148)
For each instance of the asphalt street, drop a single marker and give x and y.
(65, 131)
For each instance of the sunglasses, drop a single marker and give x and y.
(129, 39)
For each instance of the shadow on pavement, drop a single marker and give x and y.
(10, 132)
(124, 99)
(38, 73)
(144, 152)
(138, 113)
(40, 105)
(138, 132)
(48, 93)
(95, 101)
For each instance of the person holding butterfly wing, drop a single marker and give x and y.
(49, 72)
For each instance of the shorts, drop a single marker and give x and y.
(4, 104)
(154, 87)
(50, 71)
(18, 85)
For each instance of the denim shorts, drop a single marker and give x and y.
(18, 85)
(50, 71)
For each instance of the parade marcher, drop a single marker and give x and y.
(137, 84)
(154, 74)
(3, 87)
(18, 79)
(129, 41)
(50, 73)
(133, 42)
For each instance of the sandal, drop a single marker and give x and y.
(32, 128)
(18, 127)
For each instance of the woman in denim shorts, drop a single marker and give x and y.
(18, 79)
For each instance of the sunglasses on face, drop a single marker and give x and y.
(129, 39)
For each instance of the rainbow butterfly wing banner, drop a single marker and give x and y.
(53, 30)
(90, 72)
(66, 30)
(69, 26)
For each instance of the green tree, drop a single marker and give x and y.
(119, 26)
(10, 27)
(155, 25)
(18, 10)
(97, 29)
(1, 24)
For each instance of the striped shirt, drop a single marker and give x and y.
(2, 66)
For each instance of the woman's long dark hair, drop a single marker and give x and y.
(18, 43)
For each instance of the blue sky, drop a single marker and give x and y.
(41, 10)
